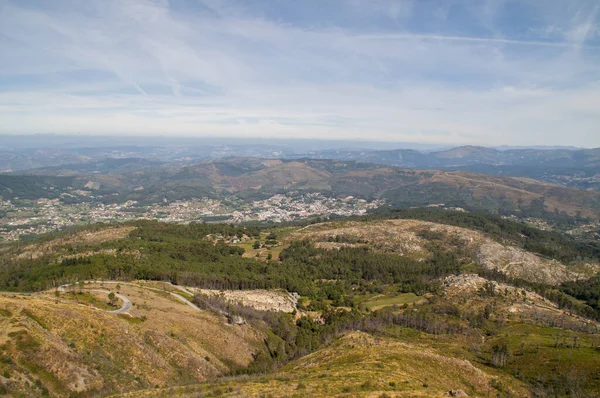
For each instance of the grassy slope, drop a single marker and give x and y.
(359, 364)
(549, 355)
(68, 347)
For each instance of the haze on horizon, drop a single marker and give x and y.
(494, 72)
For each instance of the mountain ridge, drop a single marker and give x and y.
(260, 178)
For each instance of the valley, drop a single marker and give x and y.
(242, 190)
(28, 218)
(297, 277)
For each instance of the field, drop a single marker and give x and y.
(380, 302)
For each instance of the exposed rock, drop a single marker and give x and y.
(236, 320)
(262, 300)
(525, 265)
(405, 238)
(456, 393)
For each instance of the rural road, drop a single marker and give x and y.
(127, 303)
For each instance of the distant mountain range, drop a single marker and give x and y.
(118, 180)
(474, 155)
(523, 180)
(19, 153)
(573, 168)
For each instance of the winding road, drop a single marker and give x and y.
(127, 303)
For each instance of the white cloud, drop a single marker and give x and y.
(143, 67)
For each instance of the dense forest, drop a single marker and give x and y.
(198, 255)
(33, 187)
(587, 291)
(183, 255)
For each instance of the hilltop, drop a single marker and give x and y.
(412, 239)
(361, 365)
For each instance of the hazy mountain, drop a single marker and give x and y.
(573, 168)
(252, 178)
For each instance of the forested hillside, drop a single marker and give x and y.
(250, 179)
(428, 278)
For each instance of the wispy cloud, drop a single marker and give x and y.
(490, 72)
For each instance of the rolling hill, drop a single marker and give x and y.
(250, 178)
(476, 155)
(68, 344)
(422, 305)
(575, 168)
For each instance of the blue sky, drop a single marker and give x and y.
(488, 72)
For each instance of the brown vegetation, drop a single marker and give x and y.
(68, 346)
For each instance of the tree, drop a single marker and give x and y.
(57, 295)
(487, 311)
(500, 354)
(118, 287)
(111, 298)
(256, 245)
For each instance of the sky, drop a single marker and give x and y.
(483, 72)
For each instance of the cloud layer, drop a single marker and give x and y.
(483, 72)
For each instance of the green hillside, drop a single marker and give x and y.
(249, 179)
(385, 306)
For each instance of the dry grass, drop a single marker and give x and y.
(362, 365)
(259, 299)
(74, 347)
(34, 251)
(387, 236)
(380, 302)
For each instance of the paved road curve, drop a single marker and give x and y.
(127, 304)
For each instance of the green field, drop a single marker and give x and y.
(94, 300)
(381, 302)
